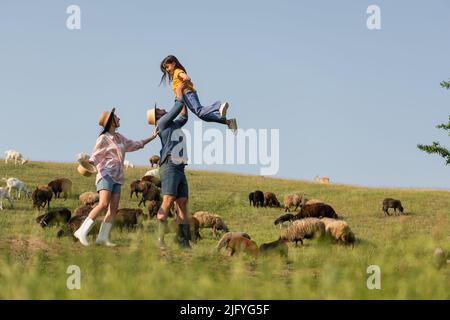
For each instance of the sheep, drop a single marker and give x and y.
(209, 220)
(136, 187)
(223, 242)
(14, 183)
(242, 244)
(313, 201)
(153, 208)
(153, 179)
(306, 228)
(16, 156)
(150, 192)
(391, 203)
(323, 180)
(154, 160)
(61, 185)
(294, 199)
(55, 216)
(153, 173)
(258, 198)
(316, 210)
(250, 198)
(128, 164)
(82, 157)
(270, 200)
(128, 218)
(89, 198)
(4, 194)
(84, 209)
(278, 246)
(339, 230)
(41, 196)
(75, 223)
(288, 217)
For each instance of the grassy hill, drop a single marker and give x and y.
(33, 262)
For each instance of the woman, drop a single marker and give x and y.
(108, 157)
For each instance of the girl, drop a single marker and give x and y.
(108, 157)
(176, 73)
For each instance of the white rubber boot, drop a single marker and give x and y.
(82, 232)
(103, 235)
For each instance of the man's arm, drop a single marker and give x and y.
(173, 113)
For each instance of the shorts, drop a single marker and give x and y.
(107, 183)
(173, 180)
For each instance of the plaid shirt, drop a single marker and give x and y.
(109, 154)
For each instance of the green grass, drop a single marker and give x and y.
(33, 262)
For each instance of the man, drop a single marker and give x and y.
(173, 160)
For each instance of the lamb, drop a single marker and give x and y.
(128, 218)
(154, 160)
(270, 200)
(242, 244)
(16, 156)
(288, 217)
(84, 209)
(42, 196)
(55, 216)
(316, 210)
(392, 203)
(209, 220)
(294, 199)
(306, 228)
(128, 164)
(14, 183)
(61, 185)
(278, 246)
(258, 198)
(89, 198)
(339, 230)
(4, 194)
(223, 242)
(150, 192)
(323, 180)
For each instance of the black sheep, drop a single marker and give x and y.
(55, 216)
(316, 210)
(250, 198)
(258, 199)
(284, 218)
(392, 203)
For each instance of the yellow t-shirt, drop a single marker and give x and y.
(176, 80)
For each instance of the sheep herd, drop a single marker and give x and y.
(312, 218)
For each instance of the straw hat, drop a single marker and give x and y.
(104, 118)
(86, 169)
(151, 115)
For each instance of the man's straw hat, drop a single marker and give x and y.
(104, 118)
(151, 115)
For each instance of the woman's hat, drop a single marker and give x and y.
(86, 169)
(104, 118)
(151, 115)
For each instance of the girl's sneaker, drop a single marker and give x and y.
(223, 109)
(232, 125)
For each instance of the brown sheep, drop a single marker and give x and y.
(226, 238)
(153, 208)
(209, 220)
(137, 186)
(294, 199)
(55, 216)
(151, 192)
(128, 218)
(270, 200)
(241, 244)
(75, 223)
(155, 180)
(316, 210)
(42, 196)
(278, 246)
(154, 160)
(84, 210)
(89, 198)
(59, 186)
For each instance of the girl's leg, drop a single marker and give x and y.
(103, 204)
(206, 113)
(105, 228)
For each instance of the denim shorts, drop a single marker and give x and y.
(173, 180)
(107, 183)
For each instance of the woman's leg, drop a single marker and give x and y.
(103, 204)
(113, 207)
(206, 113)
(105, 228)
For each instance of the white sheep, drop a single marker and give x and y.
(14, 183)
(339, 230)
(16, 156)
(5, 195)
(306, 228)
(128, 164)
(153, 173)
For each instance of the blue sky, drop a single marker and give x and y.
(350, 103)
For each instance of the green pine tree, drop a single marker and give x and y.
(436, 146)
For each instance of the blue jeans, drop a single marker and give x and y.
(206, 113)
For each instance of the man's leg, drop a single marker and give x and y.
(163, 212)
